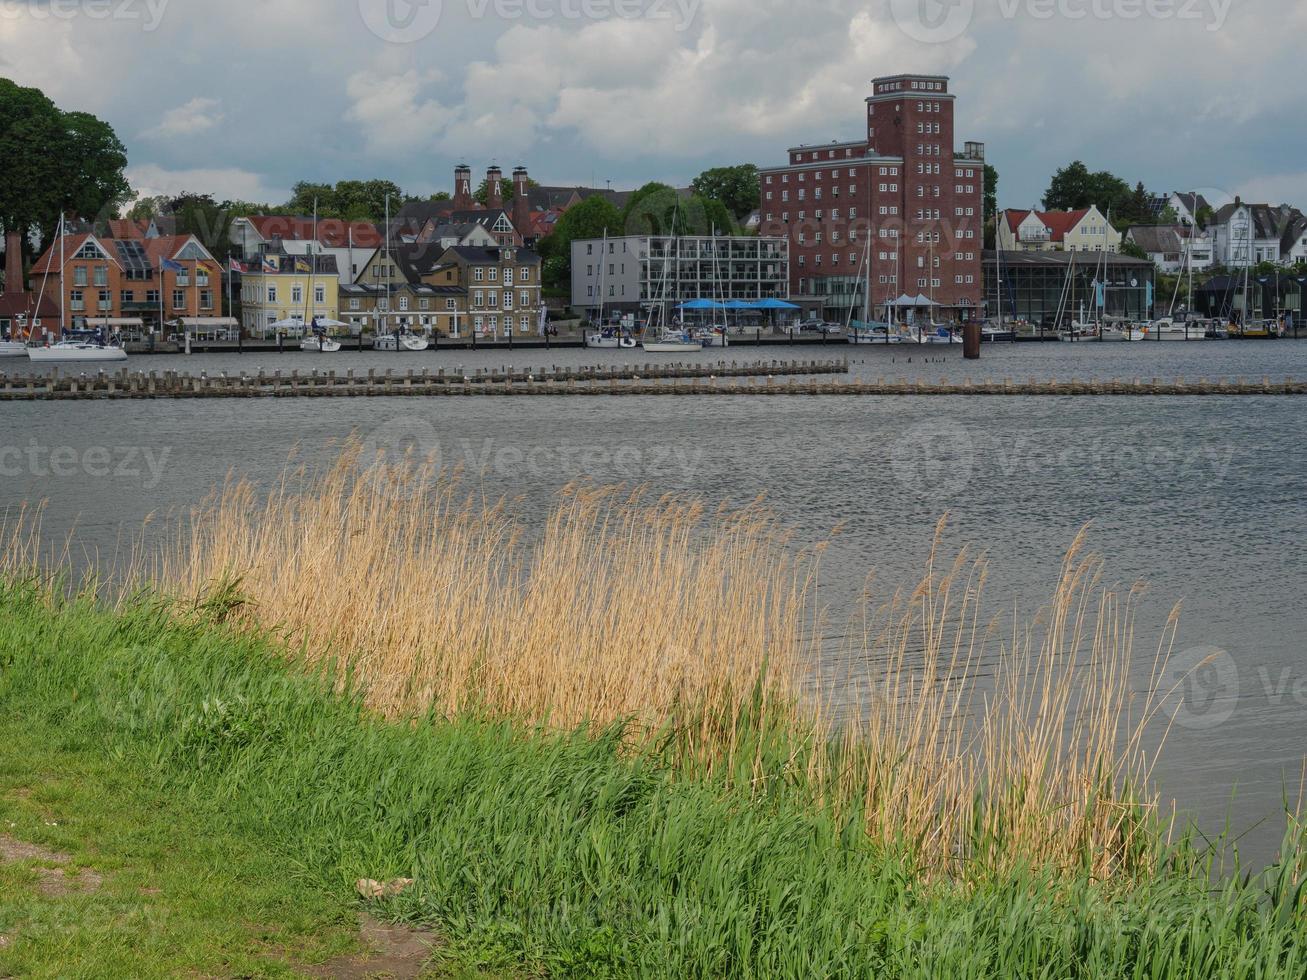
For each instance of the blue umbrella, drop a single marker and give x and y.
(774, 304)
(700, 304)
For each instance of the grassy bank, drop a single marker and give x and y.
(533, 852)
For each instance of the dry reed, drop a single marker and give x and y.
(620, 608)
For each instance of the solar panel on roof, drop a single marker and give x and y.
(132, 255)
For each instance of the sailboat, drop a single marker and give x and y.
(670, 340)
(13, 348)
(866, 332)
(316, 340)
(404, 339)
(75, 346)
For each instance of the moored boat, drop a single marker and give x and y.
(77, 348)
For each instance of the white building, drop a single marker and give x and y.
(1173, 248)
(632, 273)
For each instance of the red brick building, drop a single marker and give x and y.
(900, 208)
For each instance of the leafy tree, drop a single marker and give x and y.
(93, 163)
(350, 200)
(657, 209)
(1075, 187)
(148, 207)
(1133, 249)
(735, 187)
(991, 193)
(55, 161)
(592, 218)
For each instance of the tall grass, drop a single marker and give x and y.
(972, 747)
(569, 854)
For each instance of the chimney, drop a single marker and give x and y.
(494, 188)
(462, 187)
(13, 263)
(521, 203)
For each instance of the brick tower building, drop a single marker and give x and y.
(900, 209)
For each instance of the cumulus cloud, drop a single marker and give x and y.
(199, 115)
(318, 95)
(224, 183)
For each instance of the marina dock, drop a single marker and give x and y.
(723, 378)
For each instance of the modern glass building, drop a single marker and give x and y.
(1045, 288)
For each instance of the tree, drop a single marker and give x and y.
(55, 161)
(657, 209)
(991, 193)
(349, 200)
(1074, 187)
(94, 161)
(1132, 249)
(735, 187)
(592, 218)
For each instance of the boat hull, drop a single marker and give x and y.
(314, 346)
(12, 348)
(668, 348)
(75, 355)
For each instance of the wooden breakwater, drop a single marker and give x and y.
(69, 383)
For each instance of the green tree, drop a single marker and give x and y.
(1075, 187)
(93, 164)
(735, 187)
(592, 218)
(55, 161)
(1133, 249)
(991, 193)
(350, 200)
(657, 209)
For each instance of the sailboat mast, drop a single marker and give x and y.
(63, 286)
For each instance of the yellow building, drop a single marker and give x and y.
(278, 288)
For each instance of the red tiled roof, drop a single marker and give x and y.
(48, 263)
(1062, 222)
(332, 232)
(1057, 222)
(165, 247)
(12, 304)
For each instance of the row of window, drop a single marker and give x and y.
(491, 273)
(104, 299)
(100, 276)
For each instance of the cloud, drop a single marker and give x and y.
(1276, 189)
(224, 183)
(317, 96)
(197, 116)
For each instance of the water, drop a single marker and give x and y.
(1200, 497)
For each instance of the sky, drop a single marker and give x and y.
(242, 98)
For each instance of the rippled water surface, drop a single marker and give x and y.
(1203, 498)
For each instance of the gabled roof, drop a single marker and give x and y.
(48, 263)
(1193, 201)
(1059, 223)
(487, 256)
(14, 304)
(1157, 240)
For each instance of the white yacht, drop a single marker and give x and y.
(319, 345)
(406, 341)
(76, 349)
(673, 342)
(13, 348)
(1169, 329)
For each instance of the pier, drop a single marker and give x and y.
(767, 378)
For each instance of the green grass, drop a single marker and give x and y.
(184, 758)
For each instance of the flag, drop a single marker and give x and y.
(302, 265)
(270, 266)
(237, 266)
(170, 266)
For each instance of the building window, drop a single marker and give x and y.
(178, 299)
(478, 274)
(403, 304)
(297, 294)
(354, 304)
(206, 299)
(320, 295)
